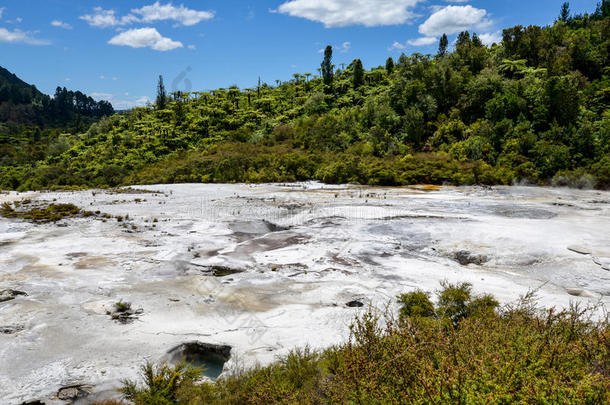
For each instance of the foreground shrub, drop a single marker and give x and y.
(464, 350)
(164, 385)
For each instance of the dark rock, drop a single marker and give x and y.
(74, 392)
(465, 258)
(35, 402)
(222, 271)
(11, 329)
(7, 295)
(355, 304)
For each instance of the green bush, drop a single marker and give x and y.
(518, 353)
(416, 303)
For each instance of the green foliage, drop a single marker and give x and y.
(534, 107)
(442, 46)
(23, 104)
(416, 303)
(164, 385)
(564, 14)
(161, 101)
(358, 78)
(327, 69)
(389, 65)
(50, 213)
(514, 354)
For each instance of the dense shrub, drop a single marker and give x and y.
(464, 350)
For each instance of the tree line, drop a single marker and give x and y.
(532, 108)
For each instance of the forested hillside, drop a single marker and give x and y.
(534, 108)
(32, 124)
(21, 103)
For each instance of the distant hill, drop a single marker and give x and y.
(534, 108)
(7, 78)
(23, 103)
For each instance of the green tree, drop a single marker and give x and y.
(161, 102)
(389, 65)
(564, 14)
(358, 75)
(442, 46)
(327, 68)
(604, 8)
(511, 68)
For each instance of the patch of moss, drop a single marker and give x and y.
(44, 214)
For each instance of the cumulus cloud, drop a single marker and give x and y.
(491, 38)
(106, 18)
(148, 14)
(397, 46)
(18, 36)
(343, 13)
(181, 14)
(453, 19)
(61, 24)
(145, 37)
(423, 41)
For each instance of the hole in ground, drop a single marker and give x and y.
(210, 357)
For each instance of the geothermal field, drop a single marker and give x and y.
(230, 275)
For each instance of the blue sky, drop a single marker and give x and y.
(115, 49)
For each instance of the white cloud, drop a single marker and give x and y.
(18, 36)
(423, 41)
(161, 12)
(491, 38)
(148, 14)
(342, 13)
(453, 19)
(1, 11)
(145, 37)
(192, 47)
(106, 18)
(121, 102)
(61, 24)
(397, 46)
(102, 96)
(343, 48)
(102, 77)
(17, 20)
